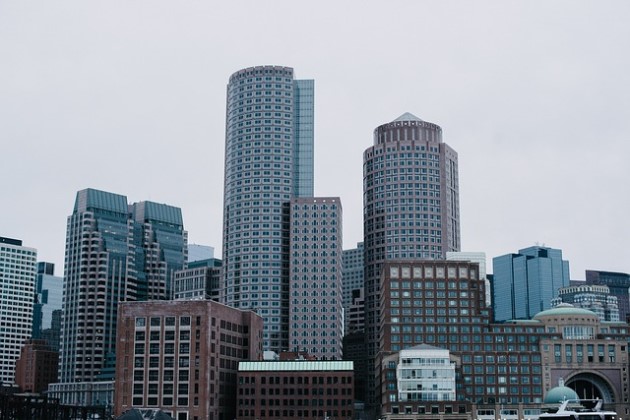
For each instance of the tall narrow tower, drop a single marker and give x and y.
(268, 161)
(410, 205)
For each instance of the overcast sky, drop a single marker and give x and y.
(129, 97)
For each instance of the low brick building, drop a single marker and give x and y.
(300, 389)
(182, 357)
(36, 367)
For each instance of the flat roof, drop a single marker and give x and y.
(296, 365)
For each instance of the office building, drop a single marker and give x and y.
(36, 367)
(353, 268)
(479, 258)
(268, 161)
(201, 280)
(200, 252)
(182, 357)
(295, 389)
(619, 286)
(593, 297)
(115, 252)
(316, 268)
(18, 270)
(422, 375)
(411, 206)
(524, 284)
(49, 292)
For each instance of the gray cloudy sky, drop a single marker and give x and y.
(129, 97)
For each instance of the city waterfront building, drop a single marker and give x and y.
(268, 162)
(619, 286)
(49, 292)
(411, 207)
(295, 389)
(36, 367)
(316, 268)
(503, 369)
(421, 375)
(18, 271)
(115, 252)
(352, 279)
(525, 283)
(182, 357)
(201, 280)
(593, 297)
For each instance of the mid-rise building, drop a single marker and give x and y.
(422, 375)
(619, 286)
(411, 207)
(353, 274)
(268, 162)
(49, 292)
(593, 297)
(115, 252)
(36, 367)
(18, 271)
(316, 267)
(525, 283)
(479, 258)
(201, 280)
(182, 357)
(295, 389)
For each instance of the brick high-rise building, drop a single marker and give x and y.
(411, 206)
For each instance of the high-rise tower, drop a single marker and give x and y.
(410, 205)
(524, 284)
(268, 161)
(115, 252)
(18, 270)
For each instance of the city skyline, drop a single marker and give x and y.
(522, 99)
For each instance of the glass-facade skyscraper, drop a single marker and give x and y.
(268, 161)
(524, 284)
(410, 207)
(114, 252)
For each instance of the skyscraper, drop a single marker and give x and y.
(114, 252)
(316, 257)
(410, 205)
(524, 284)
(268, 161)
(49, 289)
(353, 270)
(18, 269)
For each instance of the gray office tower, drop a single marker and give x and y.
(268, 162)
(47, 307)
(115, 252)
(524, 284)
(411, 206)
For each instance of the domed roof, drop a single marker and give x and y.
(564, 309)
(560, 393)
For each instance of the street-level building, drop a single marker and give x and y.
(296, 389)
(182, 357)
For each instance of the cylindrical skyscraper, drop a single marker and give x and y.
(268, 161)
(410, 205)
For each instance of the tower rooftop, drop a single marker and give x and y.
(407, 116)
